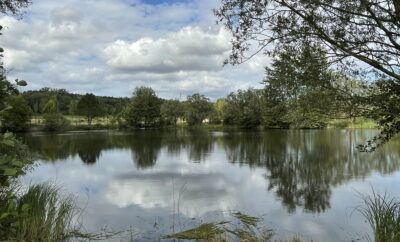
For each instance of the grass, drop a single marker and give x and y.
(358, 123)
(383, 215)
(77, 123)
(246, 219)
(246, 231)
(207, 231)
(44, 215)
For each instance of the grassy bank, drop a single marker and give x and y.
(358, 123)
(107, 122)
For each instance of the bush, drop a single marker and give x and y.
(54, 121)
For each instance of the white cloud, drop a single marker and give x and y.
(189, 49)
(110, 47)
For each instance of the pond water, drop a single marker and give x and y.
(305, 182)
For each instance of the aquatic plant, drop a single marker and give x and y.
(45, 215)
(383, 215)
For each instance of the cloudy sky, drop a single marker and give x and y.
(109, 47)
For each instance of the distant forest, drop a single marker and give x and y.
(67, 102)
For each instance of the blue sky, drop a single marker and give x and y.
(111, 47)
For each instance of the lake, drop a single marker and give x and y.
(305, 182)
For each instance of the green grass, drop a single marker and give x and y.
(246, 230)
(207, 231)
(44, 215)
(358, 123)
(246, 219)
(383, 215)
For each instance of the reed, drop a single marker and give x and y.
(45, 215)
(383, 215)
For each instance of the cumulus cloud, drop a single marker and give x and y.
(110, 47)
(189, 49)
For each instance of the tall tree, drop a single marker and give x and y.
(359, 31)
(300, 78)
(243, 108)
(217, 116)
(89, 107)
(144, 109)
(197, 108)
(53, 119)
(171, 111)
(72, 107)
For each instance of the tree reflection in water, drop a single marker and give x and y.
(301, 167)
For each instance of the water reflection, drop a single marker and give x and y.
(300, 167)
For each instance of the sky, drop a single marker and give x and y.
(110, 47)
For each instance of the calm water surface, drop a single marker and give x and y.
(299, 182)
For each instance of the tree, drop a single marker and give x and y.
(13, 6)
(171, 110)
(243, 108)
(359, 31)
(299, 84)
(16, 115)
(72, 107)
(6, 90)
(53, 119)
(144, 109)
(273, 109)
(197, 109)
(89, 107)
(217, 115)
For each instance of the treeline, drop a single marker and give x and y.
(301, 91)
(67, 102)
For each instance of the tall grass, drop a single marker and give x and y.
(44, 215)
(383, 215)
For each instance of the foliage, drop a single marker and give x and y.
(351, 32)
(6, 90)
(144, 109)
(16, 115)
(217, 116)
(51, 106)
(385, 109)
(243, 108)
(13, 6)
(72, 107)
(14, 157)
(299, 89)
(89, 107)
(273, 109)
(170, 111)
(67, 102)
(53, 119)
(197, 109)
